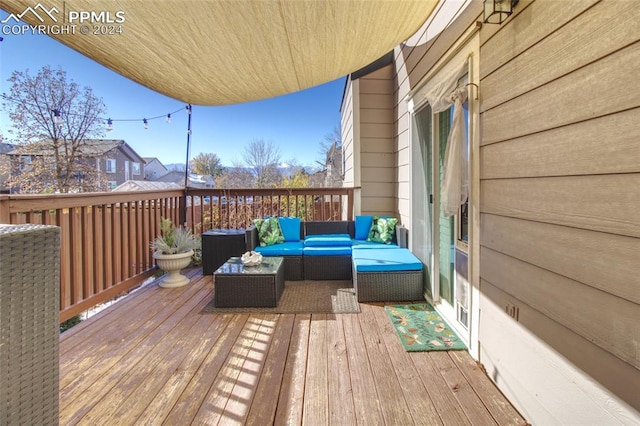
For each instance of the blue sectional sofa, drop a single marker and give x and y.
(339, 250)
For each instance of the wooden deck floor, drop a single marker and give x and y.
(153, 358)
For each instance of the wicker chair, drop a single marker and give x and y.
(29, 327)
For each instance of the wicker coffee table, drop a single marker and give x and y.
(237, 285)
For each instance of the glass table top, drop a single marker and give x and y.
(234, 265)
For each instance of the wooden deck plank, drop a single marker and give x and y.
(124, 306)
(365, 397)
(238, 406)
(341, 408)
(105, 376)
(183, 393)
(168, 350)
(291, 397)
(212, 410)
(148, 315)
(492, 398)
(73, 339)
(448, 407)
(151, 387)
(178, 365)
(472, 406)
(263, 409)
(395, 408)
(422, 408)
(316, 400)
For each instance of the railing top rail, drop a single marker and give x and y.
(18, 203)
(270, 191)
(28, 202)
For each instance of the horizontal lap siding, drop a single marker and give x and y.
(377, 156)
(560, 202)
(348, 130)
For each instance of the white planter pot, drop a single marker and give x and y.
(173, 263)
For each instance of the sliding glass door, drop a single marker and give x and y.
(422, 195)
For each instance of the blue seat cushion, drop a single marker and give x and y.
(328, 240)
(363, 226)
(327, 251)
(384, 260)
(282, 249)
(290, 228)
(363, 244)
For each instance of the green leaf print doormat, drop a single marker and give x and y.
(420, 328)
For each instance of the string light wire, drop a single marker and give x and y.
(109, 121)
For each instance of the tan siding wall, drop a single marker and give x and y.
(560, 203)
(377, 149)
(347, 130)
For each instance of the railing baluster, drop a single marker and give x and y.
(97, 247)
(86, 229)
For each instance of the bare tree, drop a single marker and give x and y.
(263, 159)
(53, 117)
(237, 176)
(206, 164)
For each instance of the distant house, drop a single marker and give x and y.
(116, 159)
(145, 185)
(153, 168)
(113, 159)
(5, 165)
(194, 181)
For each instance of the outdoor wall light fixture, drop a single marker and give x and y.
(497, 11)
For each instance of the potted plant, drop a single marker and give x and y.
(173, 250)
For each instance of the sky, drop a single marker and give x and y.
(295, 123)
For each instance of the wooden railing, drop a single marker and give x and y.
(236, 208)
(105, 237)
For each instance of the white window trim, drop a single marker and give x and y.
(109, 169)
(133, 168)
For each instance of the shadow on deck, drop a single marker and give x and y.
(154, 358)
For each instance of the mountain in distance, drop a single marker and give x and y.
(175, 166)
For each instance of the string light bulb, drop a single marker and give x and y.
(109, 125)
(145, 123)
(168, 118)
(188, 108)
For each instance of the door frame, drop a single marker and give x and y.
(467, 49)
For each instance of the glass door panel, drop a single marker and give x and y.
(422, 195)
(446, 225)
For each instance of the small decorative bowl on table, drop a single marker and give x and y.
(251, 258)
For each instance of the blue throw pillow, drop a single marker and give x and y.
(363, 226)
(290, 228)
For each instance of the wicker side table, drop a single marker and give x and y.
(29, 326)
(218, 245)
(236, 285)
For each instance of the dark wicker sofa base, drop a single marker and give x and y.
(293, 268)
(327, 267)
(388, 286)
